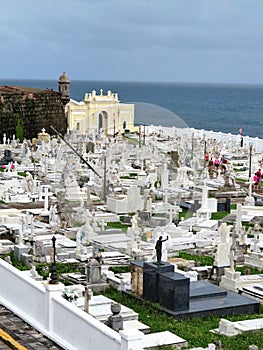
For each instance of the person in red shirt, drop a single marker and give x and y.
(206, 158)
(256, 181)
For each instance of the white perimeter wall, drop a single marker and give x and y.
(42, 306)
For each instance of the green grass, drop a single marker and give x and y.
(252, 270)
(237, 170)
(135, 140)
(120, 269)
(160, 215)
(117, 225)
(241, 180)
(20, 265)
(219, 215)
(45, 268)
(195, 330)
(186, 214)
(204, 260)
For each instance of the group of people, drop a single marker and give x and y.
(257, 179)
(216, 164)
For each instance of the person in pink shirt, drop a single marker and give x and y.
(256, 181)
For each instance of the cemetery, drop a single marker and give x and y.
(85, 214)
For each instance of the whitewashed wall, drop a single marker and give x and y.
(208, 134)
(42, 306)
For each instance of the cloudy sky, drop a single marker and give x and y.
(138, 40)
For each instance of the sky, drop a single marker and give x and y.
(217, 41)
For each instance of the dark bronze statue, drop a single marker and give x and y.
(158, 248)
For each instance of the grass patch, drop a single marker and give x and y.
(186, 214)
(159, 215)
(120, 269)
(44, 269)
(204, 260)
(241, 180)
(20, 265)
(117, 225)
(132, 139)
(252, 270)
(194, 330)
(219, 215)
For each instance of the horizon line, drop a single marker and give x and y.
(141, 81)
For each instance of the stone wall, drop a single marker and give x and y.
(24, 112)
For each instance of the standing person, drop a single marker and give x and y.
(259, 174)
(210, 164)
(256, 181)
(222, 160)
(158, 248)
(217, 162)
(223, 169)
(206, 158)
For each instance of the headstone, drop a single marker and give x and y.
(227, 327)
(93, 271)
(223, 247)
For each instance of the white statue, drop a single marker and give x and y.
(135, 219)
(53, 216)
(30, 183)
(79, 236)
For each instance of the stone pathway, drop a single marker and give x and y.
(25, 336)
(3, 346)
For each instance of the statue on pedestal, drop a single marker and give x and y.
(158, 248)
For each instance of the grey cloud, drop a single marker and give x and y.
(149, 36)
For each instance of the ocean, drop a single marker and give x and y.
(217, 107)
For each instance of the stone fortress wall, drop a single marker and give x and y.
(25, 111)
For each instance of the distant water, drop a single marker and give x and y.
(217, 107)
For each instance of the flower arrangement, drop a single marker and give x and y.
(70, 295)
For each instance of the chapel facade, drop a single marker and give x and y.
(100, 113)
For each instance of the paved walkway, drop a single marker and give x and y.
(4, 346)
(18, 335)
